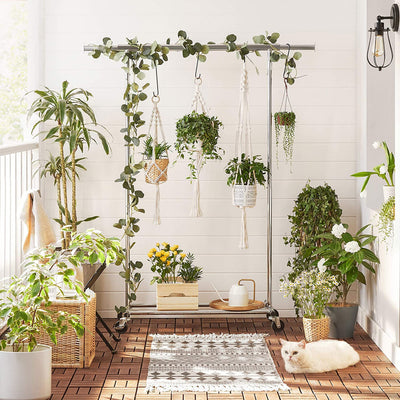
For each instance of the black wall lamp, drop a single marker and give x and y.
(377, 57)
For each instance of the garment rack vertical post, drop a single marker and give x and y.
(272, 313)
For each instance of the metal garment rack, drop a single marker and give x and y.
(272, 314)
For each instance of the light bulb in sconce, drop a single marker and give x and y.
(379, 49)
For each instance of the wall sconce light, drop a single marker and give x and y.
(377, 57)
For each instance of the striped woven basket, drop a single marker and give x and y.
(244, 195)
(316, 328)
(156, 171)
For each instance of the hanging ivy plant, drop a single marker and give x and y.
(197, 130)
(386, 219)
(285, 123)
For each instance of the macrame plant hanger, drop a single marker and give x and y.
(198, 104)
(244, 194)
(156, 169)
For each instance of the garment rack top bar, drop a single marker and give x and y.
(212, 47)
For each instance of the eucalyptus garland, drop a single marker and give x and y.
(138, 59)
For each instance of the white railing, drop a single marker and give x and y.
(17, 168)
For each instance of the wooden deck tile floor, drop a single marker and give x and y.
(123, 376)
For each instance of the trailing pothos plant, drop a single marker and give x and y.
(135, 62)
(247, 171)
(195, 131)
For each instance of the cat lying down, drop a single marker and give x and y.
(321, 356)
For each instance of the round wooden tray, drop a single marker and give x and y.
(220, 305)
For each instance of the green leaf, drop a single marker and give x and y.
(231, 38)
(202, 58)
(182, 34)
(297, 55)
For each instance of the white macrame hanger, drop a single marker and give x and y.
(198, 104)
(156, 172)
(243, 146)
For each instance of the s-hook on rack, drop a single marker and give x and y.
(272, 314)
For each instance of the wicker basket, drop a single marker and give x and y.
(244, 195)
(72, 351)
(316, 328)
(156, 171)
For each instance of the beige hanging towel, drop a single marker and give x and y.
(39, 230)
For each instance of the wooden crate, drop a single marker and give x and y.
(72, 351)
(177, 296)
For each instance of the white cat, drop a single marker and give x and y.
(321, 356)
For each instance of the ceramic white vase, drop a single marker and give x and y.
(388, 191)
(25, 375)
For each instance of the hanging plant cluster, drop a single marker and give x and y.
(136, 61)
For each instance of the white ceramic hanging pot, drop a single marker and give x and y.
(25, 375)
(244, 195)
(388, 191)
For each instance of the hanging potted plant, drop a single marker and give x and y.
(385, 171)
(386, 219)
(156, 161)
(312, 290)
(176, 279)
(243, 176)
(343, 254)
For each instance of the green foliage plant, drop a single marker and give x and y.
(160, 149)
(188, 272)
(386, 219)
(197, 130)
(249, 171)
(343, 254)
(315, 212)
(285, 123)
(384, 171)
(66, 110)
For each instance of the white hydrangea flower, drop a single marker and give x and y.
(338, 230)
(383, 170)
(352, 247)
(376, 145)
(321, 265)
(363, 194)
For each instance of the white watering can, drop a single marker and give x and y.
(238, 294)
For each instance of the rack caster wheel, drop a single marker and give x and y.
(275, 326)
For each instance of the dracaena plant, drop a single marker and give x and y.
(247, 171)
(68, 111)
(384, 171)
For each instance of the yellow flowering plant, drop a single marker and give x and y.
(165, 261)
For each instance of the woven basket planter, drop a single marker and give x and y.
(156, 171)
(244, 195)
(316, 328)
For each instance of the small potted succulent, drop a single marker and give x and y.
(385, 171)
(343, 254)
(177, 287)
(243, 176)
(312, 290)
(156, 161)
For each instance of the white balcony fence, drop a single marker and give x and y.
(18, 163)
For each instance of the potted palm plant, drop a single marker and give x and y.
(177, 287)
(243, 176)
(72, 134)
(343, 255)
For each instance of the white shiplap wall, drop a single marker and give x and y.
(324, 101)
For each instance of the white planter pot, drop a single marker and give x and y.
(244, 195)
(388, 191)
(25, 375)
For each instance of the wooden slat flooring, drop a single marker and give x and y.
(122, 376)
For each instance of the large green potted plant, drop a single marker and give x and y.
(176, 277)
(343, 254)
(315, 211)
(67, 110)
(243, 176)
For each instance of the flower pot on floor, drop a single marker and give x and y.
(388, 191)
(156, 171)
(343, 320)
(316, 328)
(25, 375)
(177, 296)
(244, 195)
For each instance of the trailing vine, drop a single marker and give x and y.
(136, 61)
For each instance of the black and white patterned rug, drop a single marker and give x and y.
(212, 363)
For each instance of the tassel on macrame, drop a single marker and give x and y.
(244, 242)
(156, 217)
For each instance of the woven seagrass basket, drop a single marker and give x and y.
(156, 171)
(316, 328)
(244, 195)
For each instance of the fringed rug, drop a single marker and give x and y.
(212, 363)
